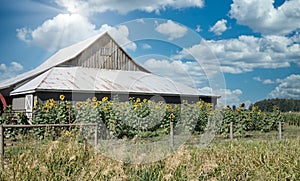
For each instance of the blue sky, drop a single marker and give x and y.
(243, 50)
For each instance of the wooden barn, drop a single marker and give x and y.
(97, 66)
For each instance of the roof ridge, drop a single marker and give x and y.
(61, 56)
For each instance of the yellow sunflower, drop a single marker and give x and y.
(62, 97)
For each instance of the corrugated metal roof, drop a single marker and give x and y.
(59, 57)
(100, 80)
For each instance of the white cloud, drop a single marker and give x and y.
(288, 88)
(231, 97)
(9, 71)
(171, 29)
(66, 29)
(228, 97)
(257, 79)
(263, 17)
(243, 54)
(62, 30)
(24, 34)
(146, 46)
(123, 7)
(192, 74)
(75, 6)
(198, 28)
(266, 81)
(219, 27)
(189, 73)
(120, 34)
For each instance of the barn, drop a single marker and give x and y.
(99, 67)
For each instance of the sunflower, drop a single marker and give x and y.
(104, 99)
(172, 116)
(79, 104)
(168, 106)
(94, 99)
(94, 104)
(135, 106)
(62, 97)
(45, 108)
(68, 133)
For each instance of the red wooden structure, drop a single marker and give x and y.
(3, 101)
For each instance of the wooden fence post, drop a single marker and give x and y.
(96, 135)
(231, 130)
(172, 134)
(1, 146)
(280, 131)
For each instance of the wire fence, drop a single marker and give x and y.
(3, 127)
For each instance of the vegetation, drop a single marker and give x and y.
(145, 118)
(292, 118)
(250, 120)
(68, 159)
(7, 117)
(285, 105)
(66, 154)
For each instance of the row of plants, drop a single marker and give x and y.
(292, 118)
(250, 120)
(146, 118)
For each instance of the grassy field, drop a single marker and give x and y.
(259, 156)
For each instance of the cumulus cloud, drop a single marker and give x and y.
(263, 17)
(69, 28)
(257, 79)
(123, 7)
(146, 46)
(288, 88)
(265, 81)
(268, 81)
(120, 34)
(62, 30)
(8, 71)
(171, 29)
(66, 29)
(228, 96)
(198, 28)
(192, 74)
(219, 27)
(243, 54)
(189, 73)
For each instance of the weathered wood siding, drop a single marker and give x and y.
(105, 53)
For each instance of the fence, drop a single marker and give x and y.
(279, 130)
(2, 129)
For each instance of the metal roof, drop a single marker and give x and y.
(101, 80)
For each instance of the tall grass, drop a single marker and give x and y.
(67, 159)
(292, 118)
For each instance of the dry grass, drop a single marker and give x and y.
(66, 159)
